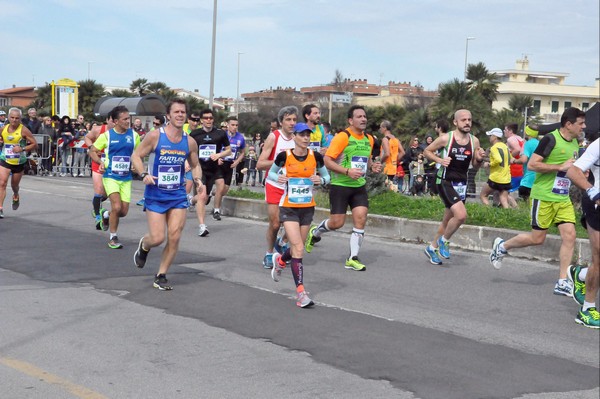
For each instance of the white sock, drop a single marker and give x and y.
(582, 274)
(586, 305)
(112, 235)
(501, 247)
(105, 215)
(217, 210)
(356, 239)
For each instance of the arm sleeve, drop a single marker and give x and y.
(277, 166)
(545, 146)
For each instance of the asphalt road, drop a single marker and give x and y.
(77, 319)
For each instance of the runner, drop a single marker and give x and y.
(230, 163)
(550, 201)
(348, 158)
(278, 140)
(460, 149)
(166, 200)
(119, 142)
(586, 280)
(16, 140)
(296, 169)
(99, 214)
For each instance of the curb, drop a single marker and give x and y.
(472, 238)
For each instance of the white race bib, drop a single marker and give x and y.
(461, 190)
(121, 165)
(359, 163)
(315, 146)
(561, 184)
(9, 152)
(300, 190)
(169, 177)
(206, 150)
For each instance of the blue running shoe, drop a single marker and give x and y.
(268, 261)
(432, 255)
(444, 248)
(141, 202)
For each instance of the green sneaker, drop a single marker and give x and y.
(578, 285)
(114, 243)
(104, 220)
(311, 240)
(354, 264)
(589, 318)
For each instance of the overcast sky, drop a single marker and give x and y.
(291, 43)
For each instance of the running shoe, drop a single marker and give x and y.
(563, 287)
(277, 266)
(578, 285)
(354, 264)
(268, 261)
(208, 199)
(443, 248)
(15, 202)
(203, 230)
(497, 254)
(311, 240)
(98, 222)
(141, 202)
(278, 247)
(303, 301)
(1, 213)
(105, 219)
(589, 318)
(216, 215)
(114, 243)
(161, 282)
(140, 255)
(432, 254)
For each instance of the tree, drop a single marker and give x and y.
(482, 81)
(139, 86)
(121, 93)
(89, 93)
(519, 102)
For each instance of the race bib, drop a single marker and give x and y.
(461, 190)
(206, 150)
(561, 184)
(359, 163)
(231, 157)
(169, 177)
(9, 153)
(315, 146)
(121, 165)
(300, 190)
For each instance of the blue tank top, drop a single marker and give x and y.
(118, 155)
(167, 163)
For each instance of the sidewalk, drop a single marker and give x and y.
(474, 238)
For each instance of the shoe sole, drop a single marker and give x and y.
(355, 269)
(120, 246)
(563, 293)
(308, 305)
(578, 321)
(136, 254)
(431, 259)
(160, 288)
(15, 206)
(204, 234)
(494, 245)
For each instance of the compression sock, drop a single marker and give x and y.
(356, 239)
(297, 271)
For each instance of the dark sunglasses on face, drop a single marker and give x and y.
(156, 123)
(207, 117)
(195, 119)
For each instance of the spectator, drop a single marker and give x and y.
(3, 120)
(45, 144)
(67, 134)
(532, 141)
(79, 153)
(138, 128)
(251, 160)
(32, 121)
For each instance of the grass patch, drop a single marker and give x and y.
(432, 208)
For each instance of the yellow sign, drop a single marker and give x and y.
(65, 98)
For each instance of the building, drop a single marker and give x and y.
(17, 96)
(551, 96)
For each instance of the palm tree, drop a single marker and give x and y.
(139, 86)
(157, 87)
(121, 93)
(519, 103)
(89, 93)
(482, 81)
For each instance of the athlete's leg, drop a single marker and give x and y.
(459, 216)
(485, 192)
(4, 174)
(592, 279)
(175, 220)
(15, 181)
(567, 247)
(273, 227)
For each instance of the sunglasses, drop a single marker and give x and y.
(195, 119)
(207, 117)
(156, 124)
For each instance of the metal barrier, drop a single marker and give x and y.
(72, 159)
(43, 155)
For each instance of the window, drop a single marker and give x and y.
(554, 109)
(585, 106)
(537, 105)
(567, 104)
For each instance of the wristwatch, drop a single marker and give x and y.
(143, 174)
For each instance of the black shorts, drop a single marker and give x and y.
(499, 186)
(304, 216)
(448, 194)
(13, 168)
(591, 213)
(227, 172)
(209, 176)
(341, 197)
(524, 192)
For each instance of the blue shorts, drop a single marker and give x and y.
(165, 206)
(515, 182)
(188, 175)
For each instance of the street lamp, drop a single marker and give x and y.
(237, 95)
(211, 94)
(466, 53)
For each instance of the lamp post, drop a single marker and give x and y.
(466, 53)
(89, 69)
(211, 94)
(237, 93)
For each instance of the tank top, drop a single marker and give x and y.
(118, 152)
(281, 144)
(167, 163)
(355, 155)
(299, 188)
(10, 141)
(391, 161)
(461, 156)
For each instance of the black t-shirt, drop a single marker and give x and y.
(209, 142)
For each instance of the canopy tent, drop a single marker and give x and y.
(150, 105)
(592, 122)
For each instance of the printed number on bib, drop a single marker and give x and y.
(315, 146)
(300, 191)
(169, 177)
(206, 150)
(461, 190)
(9, 152)
(121, 165)
(561, 184)
(231, 157)
(359, 163)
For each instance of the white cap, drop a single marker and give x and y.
(495, 132)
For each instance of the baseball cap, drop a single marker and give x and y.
(531, 132)
(495, 132)
(302, 127)
(2, 113)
